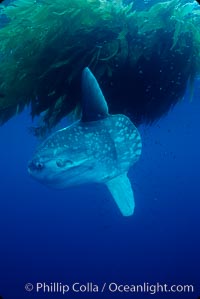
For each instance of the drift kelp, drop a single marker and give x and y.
(42, 38)
(45, 45)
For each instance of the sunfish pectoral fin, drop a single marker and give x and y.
(121, 190)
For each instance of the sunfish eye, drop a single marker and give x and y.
(62, 163)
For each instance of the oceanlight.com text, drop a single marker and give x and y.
(107, 287)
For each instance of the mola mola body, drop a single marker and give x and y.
(99, 148)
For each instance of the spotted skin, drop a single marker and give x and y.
(104, 149)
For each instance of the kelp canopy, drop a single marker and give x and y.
(143, 59)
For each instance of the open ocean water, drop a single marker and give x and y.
(54, 239)
(79, 235)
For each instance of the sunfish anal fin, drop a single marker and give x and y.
(122, 192)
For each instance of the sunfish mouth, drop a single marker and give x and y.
(35, 165)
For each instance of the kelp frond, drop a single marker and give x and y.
(45, 45)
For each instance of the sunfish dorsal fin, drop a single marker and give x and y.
(121, 190)
(94, 106)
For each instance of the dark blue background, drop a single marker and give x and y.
(79, 235)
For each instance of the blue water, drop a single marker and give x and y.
(79, 235)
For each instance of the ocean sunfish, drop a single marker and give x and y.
(99, 148)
